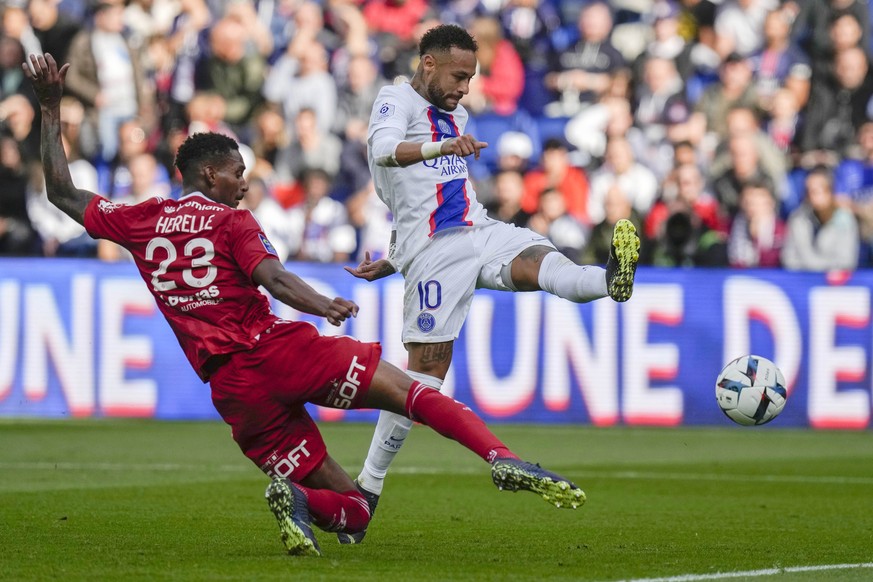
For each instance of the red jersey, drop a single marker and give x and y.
(197, 258)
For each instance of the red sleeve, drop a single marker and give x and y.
(112, 221)
(248, 243)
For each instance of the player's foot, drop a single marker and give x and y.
(289, 505)
(622, 263)
(372, 501)
(517, 475)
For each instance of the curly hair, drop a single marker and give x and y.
(200, 147)
(444, 37)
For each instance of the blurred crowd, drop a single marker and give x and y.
(734, 133)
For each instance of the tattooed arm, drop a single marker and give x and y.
(48, 85)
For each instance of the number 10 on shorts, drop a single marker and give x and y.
(430, 294)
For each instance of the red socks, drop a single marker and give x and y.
(332, 511)
(454, 420)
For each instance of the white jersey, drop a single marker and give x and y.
(430, 196)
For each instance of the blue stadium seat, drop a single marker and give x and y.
(489, 127)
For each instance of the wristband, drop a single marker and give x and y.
(431, 149)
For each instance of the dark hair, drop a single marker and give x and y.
(201, 147)
(824, 171)
(444, 37)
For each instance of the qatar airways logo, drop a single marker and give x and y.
(451, 165)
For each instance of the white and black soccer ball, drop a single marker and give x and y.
(751, 390)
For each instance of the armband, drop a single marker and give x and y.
(431, 149)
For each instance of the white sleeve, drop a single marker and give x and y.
(389, 122)
(383, 144)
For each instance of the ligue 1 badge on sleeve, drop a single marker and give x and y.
(426, 321)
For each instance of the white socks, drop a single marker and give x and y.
(578, 283)
(390, 433)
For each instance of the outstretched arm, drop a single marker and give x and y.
(372, 270)
(390, 150)
(48, 84)
(295, 292)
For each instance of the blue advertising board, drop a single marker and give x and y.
(85, 339)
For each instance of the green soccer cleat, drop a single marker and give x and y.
(289, 505)
(624, 254)
(518, 475)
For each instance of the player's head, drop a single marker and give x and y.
(448, 62)
(211, 163)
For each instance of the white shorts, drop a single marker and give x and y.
(440, 280)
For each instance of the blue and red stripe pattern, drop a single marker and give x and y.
(452, 206)
(452, 200)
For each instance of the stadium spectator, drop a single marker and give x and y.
(739, 25)
(579, 76)
(505, 205)
(499, 82)
(744, 122)
(821, 235)
(372, 222)
(780, 63)
(620, 168)
(617, 206)
(686, 192)
(12, 80)
(145, 19)
(757, 233)
(319, 225)
(661, 111)
(853, 187)
(783, 123)
(17, 236)
(17, 120)
(443, 259)
(683, 240)
(186, 43)
(734, 88)
(269, 134)
(553, 222)
(744, 167)
(838, 105)
(556, 171)
(259, 366)
(271, 216)
(845, 33)
(666, 43)
(812, 23)
(300, 80)
(311, 148)
(108, 76)
(230, 70)
(115, 179)
(357, 93)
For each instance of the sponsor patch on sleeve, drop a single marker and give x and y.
(268, 246)
(385, 111)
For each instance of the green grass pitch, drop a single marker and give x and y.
(146, 500)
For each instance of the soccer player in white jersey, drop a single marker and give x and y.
(443, 242)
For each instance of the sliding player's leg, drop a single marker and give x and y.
(390, 390)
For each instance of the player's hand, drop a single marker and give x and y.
(463, 146)
(47, 79)
(340, 310)
(371, 270)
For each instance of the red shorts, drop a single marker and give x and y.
(260, 393)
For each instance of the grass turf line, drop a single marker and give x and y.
(148, 500)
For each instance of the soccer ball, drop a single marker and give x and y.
(751, 390)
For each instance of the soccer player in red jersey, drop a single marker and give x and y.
(203, 261)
